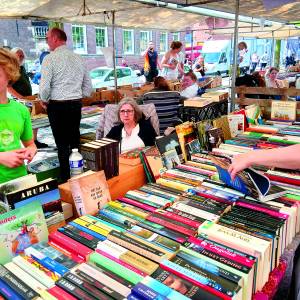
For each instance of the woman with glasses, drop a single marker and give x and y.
(134, 130)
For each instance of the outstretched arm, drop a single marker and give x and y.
(286, 157)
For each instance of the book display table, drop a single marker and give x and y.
(208, 112)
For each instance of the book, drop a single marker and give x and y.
(8, 292)
(17, 284)
(283, 111)
(249, 182)
(90, 192)
(20, 228)
(167, 143)
(170, 159)
(236, 124)
(60, 294)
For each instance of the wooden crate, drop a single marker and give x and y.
(265, 98)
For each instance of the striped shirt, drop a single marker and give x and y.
(166, 105)
(64, 76)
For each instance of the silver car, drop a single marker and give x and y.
(104, 76)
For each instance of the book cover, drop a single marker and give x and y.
(248, 182)
(283, 111)
(167, 143)
(20, 228)
(153, 158)
(90, 192)
(236, 124)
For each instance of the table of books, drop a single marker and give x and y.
(186, 236)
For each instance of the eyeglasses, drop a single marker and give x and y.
(128, 111)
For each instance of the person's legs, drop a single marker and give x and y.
(59, 118)
(74, 124)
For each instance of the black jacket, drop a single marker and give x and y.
(146, 133)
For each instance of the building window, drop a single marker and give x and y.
(39, 32)
(176, 36)
(101, 38)
(128, 41)
(79, 39)
(163, 42)
(145, 38)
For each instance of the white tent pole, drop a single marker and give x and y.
(235, 42)
(114, 55)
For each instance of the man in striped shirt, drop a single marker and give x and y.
(64, 82)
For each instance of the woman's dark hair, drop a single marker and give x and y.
(260, 81)
(161, 83)
(175, 45)
(191, 74)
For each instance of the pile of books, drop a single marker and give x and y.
(100, 155)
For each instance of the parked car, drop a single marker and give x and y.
(104, 76)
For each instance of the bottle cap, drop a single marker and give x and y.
(74, 150)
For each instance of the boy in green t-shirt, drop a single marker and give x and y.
(15, 124)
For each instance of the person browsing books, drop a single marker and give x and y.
(15, 124)
(134, 130)
(280, 158)
(271, 79)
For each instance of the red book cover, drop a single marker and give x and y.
(61, 241)
(60, 294)
(137, 204)
(178, 218)
(283, 179)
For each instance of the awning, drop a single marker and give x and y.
(130, 14)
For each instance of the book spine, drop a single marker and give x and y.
(137, 247)
(91, 232)
(150, 197)
(145, 292)
(124, 226)
(15, 283)
(159, 193)
(47, 262)
(196, 279)
(122, 263)
(117, 217)
(221, 251)
(171, 225)
(91, 227)
(33, 271)
(99, 285)
(191, 291)
(86, 287)
(178, 218)
(118, 284)
(73, 289)
(103, 224)
(185, 215)
(173, 235)
(261, 209)
(195, 211)
(79, 250)
(144, 265)
(8, 292)
(115, 267)
(60, 294)
(138, 204)
(80, 238)
(142, 200)
(129, 209)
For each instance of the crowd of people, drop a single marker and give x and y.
(64, 80)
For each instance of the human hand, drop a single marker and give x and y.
(13, 159)
(30, 152)
(43, 105)
(239, 163)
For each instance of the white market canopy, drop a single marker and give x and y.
(130, 14)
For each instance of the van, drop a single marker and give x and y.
(216, 56)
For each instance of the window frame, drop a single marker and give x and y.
(84, 49)
(165, 42)
(98, 50)
(131, 52)
(176, 34)
(149, 38)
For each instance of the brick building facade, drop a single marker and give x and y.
(86, 40)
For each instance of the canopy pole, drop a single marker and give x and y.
(114, 56)
(235, 42)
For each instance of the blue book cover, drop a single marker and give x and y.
(89, 231)
(8, 292)
(145, 292)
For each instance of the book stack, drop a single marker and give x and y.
(100, 155)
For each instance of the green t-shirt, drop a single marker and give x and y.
(15, 126)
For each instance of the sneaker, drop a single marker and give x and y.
(40, 145)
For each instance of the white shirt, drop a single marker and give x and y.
(190, 91)
(133, 141)
(64, 76)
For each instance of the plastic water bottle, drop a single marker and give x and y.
(76, 163)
